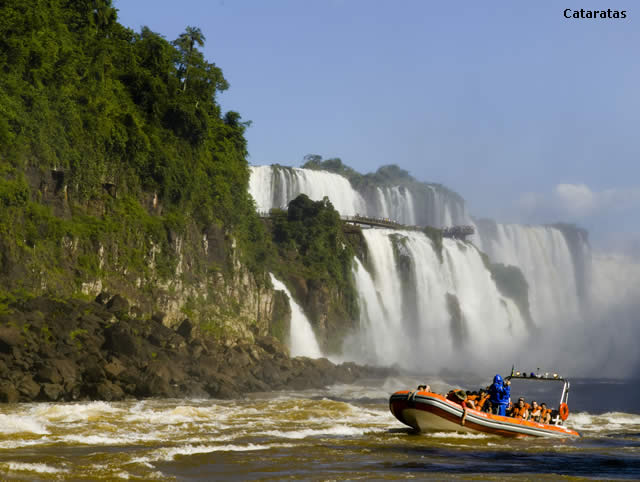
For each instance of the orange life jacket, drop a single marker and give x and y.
(518, 412)
(481, 401)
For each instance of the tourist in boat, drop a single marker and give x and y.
(472, 399)
(535, 412)
(545, 413)
(459, 396)
(483, 401)
(520, 410)
(500, 392)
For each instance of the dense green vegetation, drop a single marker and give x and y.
(309, 235)
(315, 257)
(96, 121)
(391, 175)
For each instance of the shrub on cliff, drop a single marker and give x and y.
(97, 120)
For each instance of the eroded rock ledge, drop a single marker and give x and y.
(66, 350)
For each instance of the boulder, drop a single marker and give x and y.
(8, 393)
(269, 372)
(93, 371)
(28, 389)
(10, 338)
(221, 386)
(51, 392)
(185, 329)
(237, 359)
(103, 298)
(271, 345)
(114, 368)
(118, 305)
(108, 391)
(158, 317)
(160, 335)
(48, 374)
(119, 339)
(67, 369)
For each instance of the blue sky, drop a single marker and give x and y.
(530, 116)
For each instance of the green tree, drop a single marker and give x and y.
(186, 44)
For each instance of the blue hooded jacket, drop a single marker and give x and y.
(499, 392)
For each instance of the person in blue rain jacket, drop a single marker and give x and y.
(500, 391)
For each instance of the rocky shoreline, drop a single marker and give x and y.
(67, 350)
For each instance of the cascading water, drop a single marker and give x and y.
(417, 309)
(419, 312)
(275, 186)
(302, 340)
(396, 203)
(544, 256)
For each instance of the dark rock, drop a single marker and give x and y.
(131, 376)
(221, 386)
(271, 345)
(197, 350)
(193, 389)
(270, 373)
(8, 393)
(154, 386)
(51, 392)
(118, 305)
(93, 371)
(47, 350)
(158, 317)
(48, 374)
(114, 368)
(10, 337)
(67, 369)
(185, 329)
(237, 359)
(119, 339)
(136, 312)
(28, 389)
(160, 335)
(108, 391)
(103, 298)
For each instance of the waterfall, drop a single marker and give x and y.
(423, 313)
(424, 310)
(274, 186)
(396, 203)
(302, 340)
(543, 255)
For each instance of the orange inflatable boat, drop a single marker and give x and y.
(426, 411)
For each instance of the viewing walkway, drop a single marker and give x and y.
(454, 232)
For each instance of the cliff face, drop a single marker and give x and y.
(313, 255)
(117, 245)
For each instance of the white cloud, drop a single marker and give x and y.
(576, 202)
(610, 216)
(576, 199)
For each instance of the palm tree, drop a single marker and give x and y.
(186, 43)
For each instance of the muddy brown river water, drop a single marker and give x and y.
(344, 432)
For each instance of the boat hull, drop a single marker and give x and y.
(426, 411)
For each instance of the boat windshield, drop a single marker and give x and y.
(541, 390)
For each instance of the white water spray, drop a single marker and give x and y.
(302, 340)
(405, 304)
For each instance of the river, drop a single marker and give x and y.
(343, 432)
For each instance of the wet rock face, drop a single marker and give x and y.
(53, 350)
